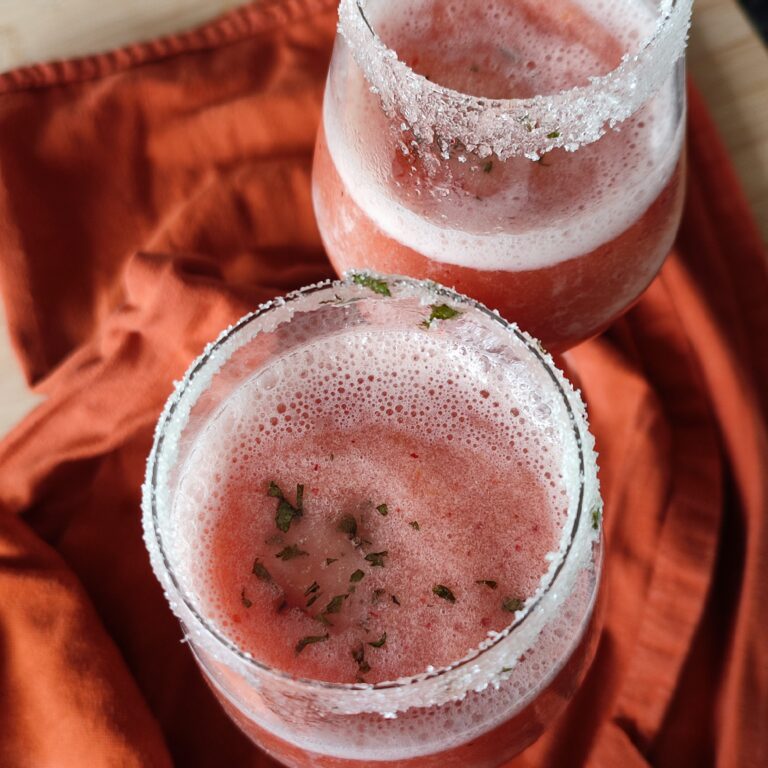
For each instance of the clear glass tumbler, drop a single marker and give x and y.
(530, 154)
(478, 710)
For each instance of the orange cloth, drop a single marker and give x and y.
(151, 196)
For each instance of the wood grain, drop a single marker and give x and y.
(726, 58)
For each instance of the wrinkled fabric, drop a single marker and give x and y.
(151, 196)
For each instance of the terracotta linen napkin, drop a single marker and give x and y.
(152, 195)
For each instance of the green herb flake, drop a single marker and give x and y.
(330, 560)
(291, 552)
(596, 515)
(260, 571)
(358, 656)
(244, 600)
(380, 642)
(440, 312)
(310, 640)
(504, 670)
(372, 283)
(286, 512)
(512, 604)
(348, 525)
(553, 135)
(313, 587)
(444, 593)
(312, 600)
(488, 167)
(395, 600)
(415, 525)
(358, 575)
(488, 583)
(376, 559)
(383, 510)
(335, 605)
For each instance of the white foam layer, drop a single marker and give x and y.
(535, 216)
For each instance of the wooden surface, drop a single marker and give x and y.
(726, 57)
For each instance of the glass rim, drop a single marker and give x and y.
(152, 524)
(532, 126)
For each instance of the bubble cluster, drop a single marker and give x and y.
(502, 50)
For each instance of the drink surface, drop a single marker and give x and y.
(563, 245)
(426, 510)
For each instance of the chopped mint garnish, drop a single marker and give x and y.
(260, 571)
(487, 583)
(357, 576)
(313, 587)
(383, 510)
(488, 167)
(372, 283)
(554, 135)
(440, 312)
(329, 560)
(376, 559)
(380, 642)
(335, 605)
(348, 525)
(312, 600)
(444, 593)
(358, 655)
(395, 600)
(286, 512)
(415, 525)
(245, 601)
(596, 514)
(290, 552)
(310, 640)
(512, 604)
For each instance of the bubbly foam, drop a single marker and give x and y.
(516, 215)
(468, 473)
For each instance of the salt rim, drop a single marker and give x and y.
(508, 127)
(436, 686)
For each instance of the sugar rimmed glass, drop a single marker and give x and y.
(557, 208)
(480, 710)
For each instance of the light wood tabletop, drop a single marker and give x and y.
(726, 57)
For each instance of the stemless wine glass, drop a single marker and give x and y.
(528, 153)
(477, 711)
